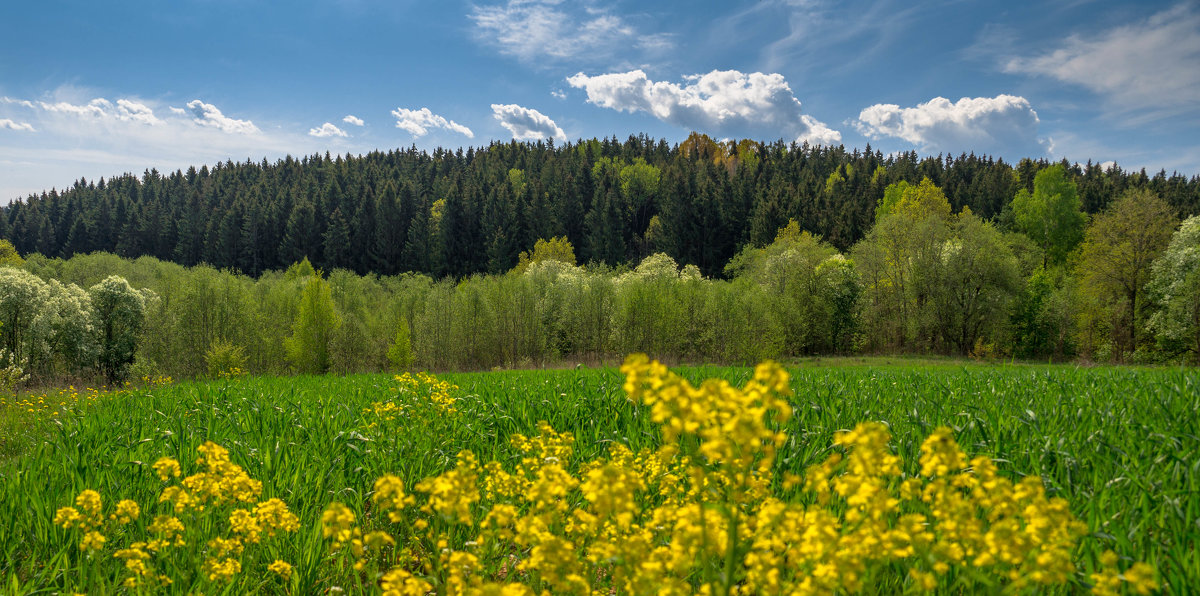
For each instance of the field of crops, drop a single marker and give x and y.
(1120, 445)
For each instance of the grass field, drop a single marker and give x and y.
(1120, 444)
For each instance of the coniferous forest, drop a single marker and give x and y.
(465, 212)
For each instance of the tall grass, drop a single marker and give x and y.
(1120, 444)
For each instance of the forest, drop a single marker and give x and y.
(1031, 276)
(464, 212)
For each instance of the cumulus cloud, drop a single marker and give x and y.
(326, 130)
(723, 102)
(1154, 63)
(352, 119)
(418, 122)
(206, 114)
(818, 133)
(14, 125)
(1005, 124)
(526, 124)
(539, 30)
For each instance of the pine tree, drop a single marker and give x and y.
(337, 251)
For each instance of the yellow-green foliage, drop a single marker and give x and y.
(400, 352)
(308, 346)
(557, 248)
(9, 257)
(225, 359)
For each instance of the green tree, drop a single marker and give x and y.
(337, 250)
(400, 352)
(1041, 315)
(787, 270)
(21, 297)
(316, 320)
(557, 248)
(1114, 262)
(900, 261)
(839, 289)
(916, 201)
(65, 330)
(978, 279)
(9, 257)
(120, 313)
(1051, 215)
(1175, 288)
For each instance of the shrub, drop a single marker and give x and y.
(225, 359)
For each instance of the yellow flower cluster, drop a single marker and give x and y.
(419, 400)
(45, 406)
(221, 482)
(710, 512)
(207, 498)
(52, 405)
(1139, 577)
(430, 387)
(233, 372)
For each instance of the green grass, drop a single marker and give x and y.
(1121, 444)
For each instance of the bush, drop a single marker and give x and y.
(225, 359)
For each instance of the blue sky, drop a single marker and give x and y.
(91, 89)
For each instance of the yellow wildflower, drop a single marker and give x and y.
(282, 569)
(399, 582)
(242, 523)
(127, 511)
(92, 541)
(167, 468)
(389, 495)
(337, 522)
(221, 570)
(273, 516)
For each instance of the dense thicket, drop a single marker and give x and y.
(460, 213)
(925, 279)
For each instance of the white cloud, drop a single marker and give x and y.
(558, 94)
(726, 103)
(206, 114)
(20, 102)
(352, 119)
(1150, 64)
(14, 125)
(326, 130)
(136, 112)
(418, 122)
(100, 109)
(526, 124)
(540, 30)
(1005, 124)
(818, 133)
(81, 134)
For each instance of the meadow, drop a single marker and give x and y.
(1120, 445)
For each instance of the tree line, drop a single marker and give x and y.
(460, 213)
(1043, 281)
